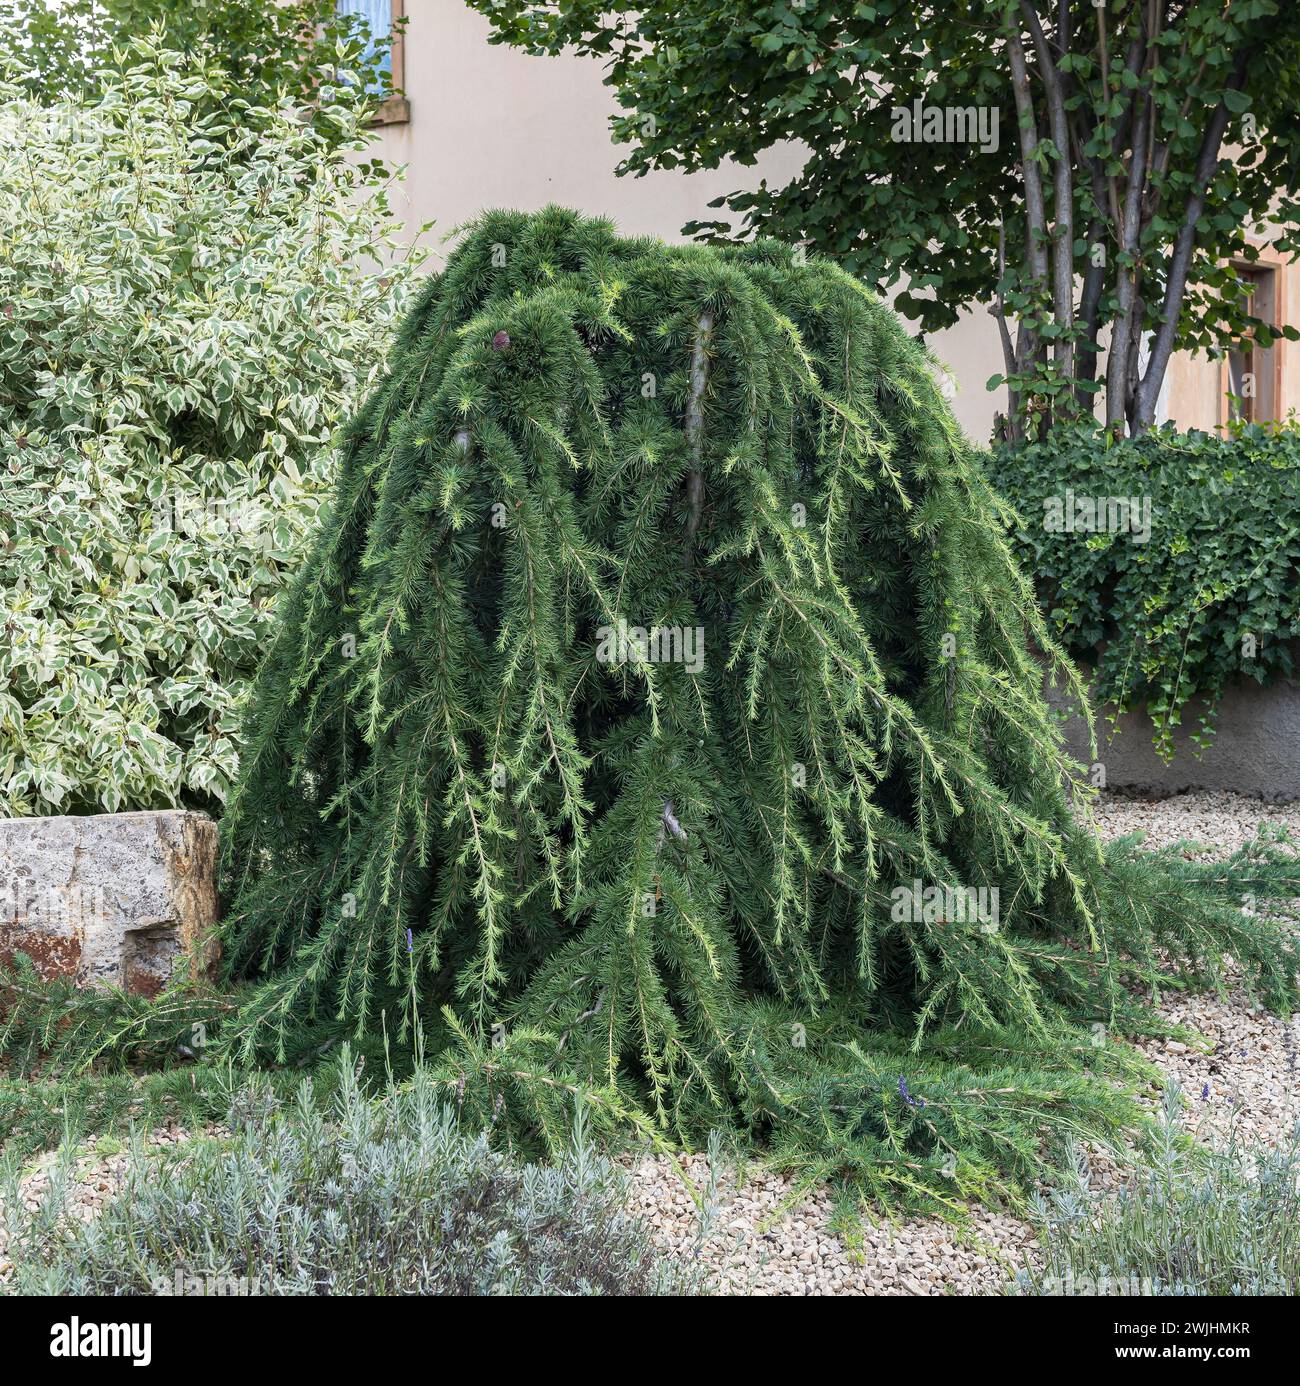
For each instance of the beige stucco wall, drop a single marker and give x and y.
(491, 127)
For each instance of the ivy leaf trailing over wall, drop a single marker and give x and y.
(1202, 592)
(660, 655)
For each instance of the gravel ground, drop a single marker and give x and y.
(1247, 1073)
(1228, 821)
(1243, 1080)
(754, 1250)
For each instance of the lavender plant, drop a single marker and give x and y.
(356, 1195)
(1192, 1222)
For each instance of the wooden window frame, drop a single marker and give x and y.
(396, 109)
(1274, 265)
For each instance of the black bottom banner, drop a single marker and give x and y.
(210, 1337)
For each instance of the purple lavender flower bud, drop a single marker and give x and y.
(907, 1096)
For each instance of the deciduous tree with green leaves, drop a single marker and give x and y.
(1144, 145)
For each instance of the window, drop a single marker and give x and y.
(382, 22)
(378, 15)
(1250, 371)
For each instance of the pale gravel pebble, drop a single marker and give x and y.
(1249, 1062)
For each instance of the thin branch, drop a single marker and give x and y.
(1125, 326)
(1028, 348)
(998, 310)
(1062, 190)
(1207, 164)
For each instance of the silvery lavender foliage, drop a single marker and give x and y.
(1196, 1222)
(362, 1195)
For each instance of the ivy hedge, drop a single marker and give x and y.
(1169, 563)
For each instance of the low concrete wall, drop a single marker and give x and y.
(1255, 750)
(116, 898)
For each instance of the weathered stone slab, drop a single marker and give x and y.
(112, 898)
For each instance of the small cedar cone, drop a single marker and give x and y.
(501, 341)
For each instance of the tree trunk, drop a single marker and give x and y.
(1062, 192)
(1126, 326)
(1028, 347)
(695, 432)
(1162, 348)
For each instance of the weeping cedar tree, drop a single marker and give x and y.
(699, 889)
(1141, 149)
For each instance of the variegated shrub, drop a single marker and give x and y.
(189, 305)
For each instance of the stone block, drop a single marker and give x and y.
(111, 898)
